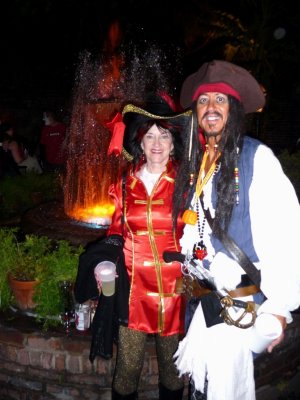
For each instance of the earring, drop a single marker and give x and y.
(191, 182)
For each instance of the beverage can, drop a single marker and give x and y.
(82, 317)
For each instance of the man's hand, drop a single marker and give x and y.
(281, 337)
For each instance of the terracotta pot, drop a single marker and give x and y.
(23, 292)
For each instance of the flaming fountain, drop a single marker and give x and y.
(97, 98)
(100, 91)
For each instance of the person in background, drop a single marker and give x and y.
(140, 231)
(12, 151)
(52, 151)
(232, 186)
(30, 164)
(15, 157)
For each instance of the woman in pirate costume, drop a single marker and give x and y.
(141, 230)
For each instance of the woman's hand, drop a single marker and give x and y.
(97, 277)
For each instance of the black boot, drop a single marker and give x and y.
(116, 396)
(167, 394)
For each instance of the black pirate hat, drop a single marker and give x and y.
(156, 107)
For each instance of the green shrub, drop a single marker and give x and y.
(7, 262)
(61, 265)
(291, 165)
(16, 192)
(29, 257)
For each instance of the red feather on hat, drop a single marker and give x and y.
(117, 127)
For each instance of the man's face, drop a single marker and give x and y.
(212, 112)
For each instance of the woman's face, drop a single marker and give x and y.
(157, 144)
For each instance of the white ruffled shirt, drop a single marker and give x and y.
(275, 224)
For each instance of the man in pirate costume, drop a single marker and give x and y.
(232, 186)
(140, 231)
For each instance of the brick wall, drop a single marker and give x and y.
(36, 365)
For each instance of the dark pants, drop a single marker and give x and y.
(130, 360)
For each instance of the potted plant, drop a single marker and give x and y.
(28, 263)
(42, 262)
(54, 293)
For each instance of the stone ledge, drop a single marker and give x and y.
(52, 364)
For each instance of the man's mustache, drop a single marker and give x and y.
(216, 113)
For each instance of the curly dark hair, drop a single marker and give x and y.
(230, 147)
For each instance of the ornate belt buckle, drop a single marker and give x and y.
(249, 308)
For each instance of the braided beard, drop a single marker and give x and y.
(211, 134)
(214, 134)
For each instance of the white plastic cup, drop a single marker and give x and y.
(106, 271)
(266, 329)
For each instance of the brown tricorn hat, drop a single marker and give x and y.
(217, 71)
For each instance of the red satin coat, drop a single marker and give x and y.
(154, 307)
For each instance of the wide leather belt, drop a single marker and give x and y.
(243, 291)
(197, 291)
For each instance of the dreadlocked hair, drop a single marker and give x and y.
(183, 191)
(231, 140)
(230, 147)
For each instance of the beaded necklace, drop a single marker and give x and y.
(199, 249)
(190, 216)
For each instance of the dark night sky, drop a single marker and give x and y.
(41, 40)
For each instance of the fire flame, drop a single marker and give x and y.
(90, 171)
(99, 214)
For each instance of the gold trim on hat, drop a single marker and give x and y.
(132, 108)
(125, 153)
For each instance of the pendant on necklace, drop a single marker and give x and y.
(199, 250)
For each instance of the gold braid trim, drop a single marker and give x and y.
(132, 108)
(126, 154)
